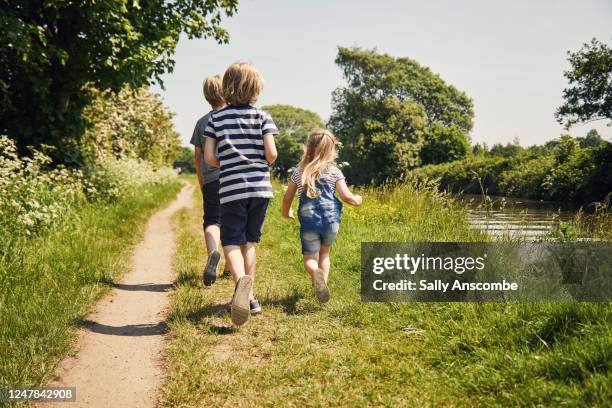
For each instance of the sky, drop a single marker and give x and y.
(509, 57)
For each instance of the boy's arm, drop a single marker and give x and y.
(210, 147)
(346, 195)
(288, 199)
(198, 163)
(270, 149)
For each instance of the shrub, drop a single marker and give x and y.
(34, 196)
(526, 179)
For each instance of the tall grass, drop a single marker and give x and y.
(48, 282)
(349, 353)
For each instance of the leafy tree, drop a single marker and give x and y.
(50, 49)
(509, 150)
(480, 149)
(589, 96)
(129, 123)
(383, 114)
(294, 124)
(592, 139)
(444, 144)
(187, 157)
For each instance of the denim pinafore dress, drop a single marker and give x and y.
(321, 214)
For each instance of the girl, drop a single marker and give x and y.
(316, 179)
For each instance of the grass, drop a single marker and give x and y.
(349, 353)
(48, 283)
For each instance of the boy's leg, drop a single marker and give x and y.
(235, 261)
(212, 236)
(256, 215)
(324, 260)
(210, 194)
(250, 262)
(233, 219)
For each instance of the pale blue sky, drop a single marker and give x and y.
(508, 56)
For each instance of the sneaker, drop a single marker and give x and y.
(241, 308)
(255, 307)
(210, 271)
(320, 286)
(227, 274)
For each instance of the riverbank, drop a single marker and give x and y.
(352, 353)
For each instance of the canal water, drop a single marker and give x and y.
(513, 217)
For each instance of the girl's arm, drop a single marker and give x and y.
(288, 199)
(270, 149)
(346, 195)
(210, 147)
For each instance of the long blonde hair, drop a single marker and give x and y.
(319, 153)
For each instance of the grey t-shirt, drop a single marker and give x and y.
(197, 139)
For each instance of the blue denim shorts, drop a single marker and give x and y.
(312, 240)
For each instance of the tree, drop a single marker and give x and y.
(444, 144)
(589, 96)
(592, 139)
(294, 125)
(129, 123)
(384, 113)
(49, 50)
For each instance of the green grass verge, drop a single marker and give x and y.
(48, 283)
(348, 353)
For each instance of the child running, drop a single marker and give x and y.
(208, 179)
(316, 179)
(244, 138)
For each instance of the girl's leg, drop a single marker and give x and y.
(311, 263)
(323, 263)
(250, 262)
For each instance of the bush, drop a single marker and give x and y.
(474, 175)
(33, 196)
(113, 179)
(527, 179)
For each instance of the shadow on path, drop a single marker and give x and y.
(146, 287)
(134, 330)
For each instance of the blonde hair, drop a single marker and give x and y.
(242, 83)
(213, 91)
(319, 153)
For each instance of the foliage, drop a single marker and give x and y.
(129, 123)
(589, 96)
(294, 125)
(34, 197)
(112, 179)
(444, 144)
(49, 50)
(526, 179)
(560, 171)
(186, 160)
(383, 114)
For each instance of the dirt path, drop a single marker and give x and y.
(117, 363)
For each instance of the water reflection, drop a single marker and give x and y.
(515, 218)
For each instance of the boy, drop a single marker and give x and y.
(208, 178)
(244, 137)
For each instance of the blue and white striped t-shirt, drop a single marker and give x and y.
(239, 132)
